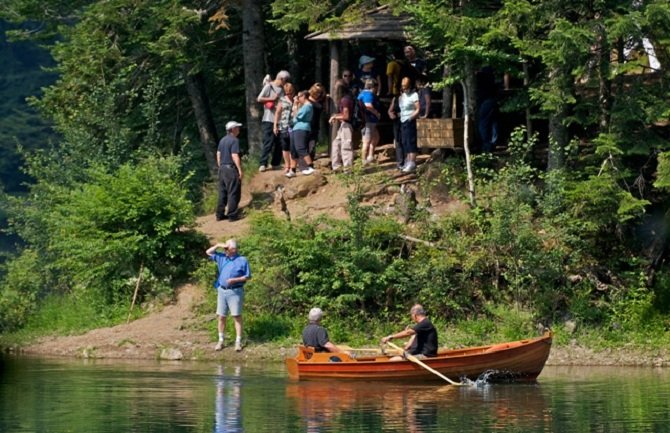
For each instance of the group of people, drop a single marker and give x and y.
(360, 92)
(233, 272)
(290, 124)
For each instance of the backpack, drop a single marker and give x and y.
(358, 116)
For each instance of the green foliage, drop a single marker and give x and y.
(20, 291)
(94, 237)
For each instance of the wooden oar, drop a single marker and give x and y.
(416, 360)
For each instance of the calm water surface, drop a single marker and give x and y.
(47, 395)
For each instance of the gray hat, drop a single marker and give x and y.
(232, 124)
(315, 314)
(364, 60)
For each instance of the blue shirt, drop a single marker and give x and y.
(231, 267)
(367, 97)
(304, 118)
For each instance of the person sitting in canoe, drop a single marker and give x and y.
(423, 341)
(316, 336)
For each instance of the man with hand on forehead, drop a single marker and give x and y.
(234, 272)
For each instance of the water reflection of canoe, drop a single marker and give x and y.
(521, 360)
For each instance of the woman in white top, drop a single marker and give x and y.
(409, 111)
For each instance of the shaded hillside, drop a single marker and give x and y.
(22, 75)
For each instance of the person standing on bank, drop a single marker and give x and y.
(270, 96)
(234, 272)
(409, 111)
(314, 335)
(230, 173)
(423, 342)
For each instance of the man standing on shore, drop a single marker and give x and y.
(234, 272)
(230, 173)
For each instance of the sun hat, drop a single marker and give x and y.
(365, 60)
(232, 124)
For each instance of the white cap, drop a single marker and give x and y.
(315, 314)
(232, 124)
(364, 60)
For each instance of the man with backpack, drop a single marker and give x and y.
(270, 96)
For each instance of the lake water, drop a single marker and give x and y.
(52, 395)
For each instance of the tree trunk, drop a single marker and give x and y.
(447, 97)
(604, 82)
(558, 132)
(253, 46)
(195, 87)
(469, 102)
(526, 85)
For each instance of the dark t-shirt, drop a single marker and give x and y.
(425, 342)
(227, 146)
(315, 123)
(346, 102)
(315, 336)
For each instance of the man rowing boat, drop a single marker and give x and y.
(423, 342)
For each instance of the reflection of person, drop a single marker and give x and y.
(228, 404)
(423, 342)
(234, 272)
(230, 173)
(315, 335)
(269, 97)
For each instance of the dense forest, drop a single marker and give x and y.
(571, 224)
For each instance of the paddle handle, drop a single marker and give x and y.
(416, 360)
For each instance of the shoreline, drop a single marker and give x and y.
(559, 356)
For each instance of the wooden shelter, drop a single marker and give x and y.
(381, 24)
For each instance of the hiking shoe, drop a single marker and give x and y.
(307, 171)
(238, 346)
(290, 174)
(219, 346)
(262, 168)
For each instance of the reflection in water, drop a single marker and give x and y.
(228, 414)
(327, 406)
(61, 396)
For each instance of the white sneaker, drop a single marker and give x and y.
(238, 346)
(219, 346)
(370, 159)
(262, 168)
(307, 171)
(290, 174)
(409, 167)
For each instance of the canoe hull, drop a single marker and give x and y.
(521, 360)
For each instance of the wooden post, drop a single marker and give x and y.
(334, 75)
(137, 287)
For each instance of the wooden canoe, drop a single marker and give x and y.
(521, 360)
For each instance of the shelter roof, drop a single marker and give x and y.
(376, 24)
